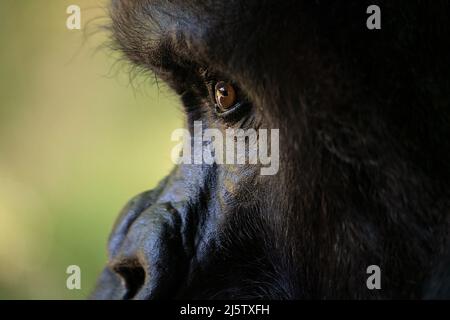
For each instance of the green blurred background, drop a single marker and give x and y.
(76, 142)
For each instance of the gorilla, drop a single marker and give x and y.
(364, 152)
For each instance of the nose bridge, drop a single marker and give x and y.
(125, 220)
(129, 214)
(141, 236)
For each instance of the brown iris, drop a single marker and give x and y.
(225, 95)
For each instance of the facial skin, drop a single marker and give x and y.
(364, 152)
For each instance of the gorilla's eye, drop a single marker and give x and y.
(225, 96)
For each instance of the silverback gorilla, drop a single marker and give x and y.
(364, 166)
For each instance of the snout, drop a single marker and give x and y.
(148, 250)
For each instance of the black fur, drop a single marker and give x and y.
(364, 176)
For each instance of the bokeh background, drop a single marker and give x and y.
(77, 140)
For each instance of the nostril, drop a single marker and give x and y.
(133, 275)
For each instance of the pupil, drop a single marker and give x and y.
(223, 91)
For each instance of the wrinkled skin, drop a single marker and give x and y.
(364, 152)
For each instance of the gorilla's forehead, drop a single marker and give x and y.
(282, 52)
(212, 32)
(238, 31)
